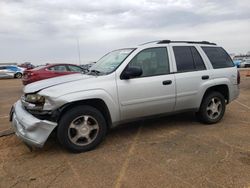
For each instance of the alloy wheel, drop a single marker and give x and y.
(83, 130)
(214, 108)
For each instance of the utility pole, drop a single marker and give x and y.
(78, 49)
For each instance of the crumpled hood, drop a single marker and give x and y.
(39, 85)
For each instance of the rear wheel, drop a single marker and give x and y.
(81, 129)
(18, 75)
(212, 108)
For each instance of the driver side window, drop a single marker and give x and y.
(152, 61)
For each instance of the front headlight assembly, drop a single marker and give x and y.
(35, 99)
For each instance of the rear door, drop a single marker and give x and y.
(191, 73)
(151, 93)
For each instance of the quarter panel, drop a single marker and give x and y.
(208, 84)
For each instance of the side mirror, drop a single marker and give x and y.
(131, 72)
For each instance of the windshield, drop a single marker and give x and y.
(110, 61)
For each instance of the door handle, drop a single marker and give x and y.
(205, 77)
(167, 82)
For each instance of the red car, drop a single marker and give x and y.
(49, 71)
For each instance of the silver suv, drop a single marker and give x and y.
(155, 78)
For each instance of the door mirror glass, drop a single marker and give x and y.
(131, 72)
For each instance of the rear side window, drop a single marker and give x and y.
(188, 59)
(73, 68)
(58, 68)
(199, 64)
(218, 57)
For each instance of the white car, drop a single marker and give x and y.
(153, 79)
(245, 63)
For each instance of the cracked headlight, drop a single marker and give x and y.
(35, 99)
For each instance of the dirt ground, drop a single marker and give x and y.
(173, 151)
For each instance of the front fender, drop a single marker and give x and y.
(112, 105)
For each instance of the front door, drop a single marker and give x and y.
(151, 93)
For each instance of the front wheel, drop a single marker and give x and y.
(212, 108)
(81, 129)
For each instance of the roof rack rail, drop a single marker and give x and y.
(190, 42)
(155, 41)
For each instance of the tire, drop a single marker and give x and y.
(212, 108)
(81, 129)
(18, 75)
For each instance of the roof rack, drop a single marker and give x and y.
(189, 42)
(155, 41)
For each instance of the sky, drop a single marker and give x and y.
(48, 31)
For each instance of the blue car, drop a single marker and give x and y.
(237, 63)
(11, 71)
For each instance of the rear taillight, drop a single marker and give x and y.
(28, 74)
(238, 77)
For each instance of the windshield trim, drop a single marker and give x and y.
(132, 50)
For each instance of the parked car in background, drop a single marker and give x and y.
(27, 65)
(245, 63)
(237, 63)
(11, 71)
(49, 71)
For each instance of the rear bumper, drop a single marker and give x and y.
(28, 128)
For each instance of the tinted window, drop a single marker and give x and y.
(152, 61)
(188, 59)
(58, 68)
(199, 63)
(73, 68)
(183, 58)
(218, 57)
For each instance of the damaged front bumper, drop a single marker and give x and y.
(30, 129)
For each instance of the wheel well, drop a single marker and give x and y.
(223, 89)
(99, 104)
